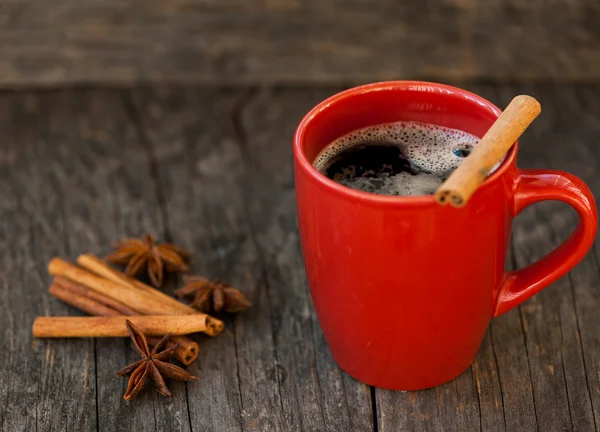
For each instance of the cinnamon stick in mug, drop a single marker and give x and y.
(156, 325)
(501, 136)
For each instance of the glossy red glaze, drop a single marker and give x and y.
(404, 288)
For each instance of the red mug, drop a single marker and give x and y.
(405, 288)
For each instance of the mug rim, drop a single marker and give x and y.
(337, 188)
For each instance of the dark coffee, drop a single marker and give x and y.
(401, 158)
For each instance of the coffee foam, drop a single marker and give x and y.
(399, 184)
(430, 147)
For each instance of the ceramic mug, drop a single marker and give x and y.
(404, 288)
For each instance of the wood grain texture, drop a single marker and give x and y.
(76, 178)
(43, 384)
(196, 168)
(273, 370)
(567, 132)
(316, 395)
(490, 395)
(586, 277)
(291, 41)
(562, 400)
(508, 339)
(212, 170)
(561, 138)
(572, 146)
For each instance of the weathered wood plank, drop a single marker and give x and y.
(105, 153)
(124, 168)
(485, 371)
(45, 385)
(562, 400)
(452, 406)
(288, 41)
(509, 345)
(198, 173)
(315, 394)
(212, 170)
(79, 178)
(553, 352)
(576, 148)
(283, 378)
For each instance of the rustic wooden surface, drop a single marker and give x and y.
(211, 169)
(293, 41)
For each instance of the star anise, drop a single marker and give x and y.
(151, 365)
(214, 295)
(137, 254)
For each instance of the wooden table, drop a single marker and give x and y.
(210, 169)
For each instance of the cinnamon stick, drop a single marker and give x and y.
(509, 126)
(152, 325)
(80, 301)
(94, 303)
(97, 266)
(92, 295)
(143, 302)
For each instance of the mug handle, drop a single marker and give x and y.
(540, 185)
